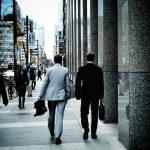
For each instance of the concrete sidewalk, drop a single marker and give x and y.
(19, 129)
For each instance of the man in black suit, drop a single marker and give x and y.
(90, 89)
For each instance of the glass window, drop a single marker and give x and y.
(6, 8)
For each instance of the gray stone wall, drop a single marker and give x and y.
(123, 69)
(134, 73)
(139, 48)
(110, 61)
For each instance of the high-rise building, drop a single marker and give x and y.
(40, 32)
(6, 31)
(60, 40)
(6, 43)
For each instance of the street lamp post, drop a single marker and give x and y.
(27, 40)
(15, 36)
(35, 51)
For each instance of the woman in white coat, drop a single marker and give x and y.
(53, 90)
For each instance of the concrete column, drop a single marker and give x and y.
(79, 33)
(123, 72)
(110, 64)
(84, 30)
(67, 35)
(94, 28)
(139, 74)
(71, 37)
(74, 41)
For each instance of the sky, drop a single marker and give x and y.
(44, 13)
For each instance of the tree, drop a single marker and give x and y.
(44, 60)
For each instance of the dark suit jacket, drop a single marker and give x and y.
(89, 82)
(3, 90)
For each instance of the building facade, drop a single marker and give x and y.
(6, 43)
(59, 46)
(6, 31)
(36, 41)
(119, 35)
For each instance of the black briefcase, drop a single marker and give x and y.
(101, 111)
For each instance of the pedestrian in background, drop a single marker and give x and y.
(53, 90)
(89, 88)
(44, 71)
(39, 74)
(3, 92)
(21, 84)
(33, 76)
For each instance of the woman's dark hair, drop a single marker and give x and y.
(58, 58)
(90, 56)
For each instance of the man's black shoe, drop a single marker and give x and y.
(19, 106)
(58, 141)
(94, 136)
(52, 133)
(85, 135)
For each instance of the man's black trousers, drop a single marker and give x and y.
(85, 104)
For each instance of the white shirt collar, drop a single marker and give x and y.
(57, 64)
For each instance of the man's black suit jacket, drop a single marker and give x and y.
(89, 82)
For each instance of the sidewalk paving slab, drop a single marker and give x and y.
(20, 130)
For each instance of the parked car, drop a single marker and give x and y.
(8, 75)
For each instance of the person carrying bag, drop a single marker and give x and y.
(3, 92)
(90, 89)
(53, 91)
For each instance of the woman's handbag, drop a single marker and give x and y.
(101, 111)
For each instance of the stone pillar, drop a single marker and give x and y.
(139, 74)
(79, 33)
(110, 64)
(94, 28)
(84, 31)
(67, 35)
(74, 41)
(123, 73)
(71, 38)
